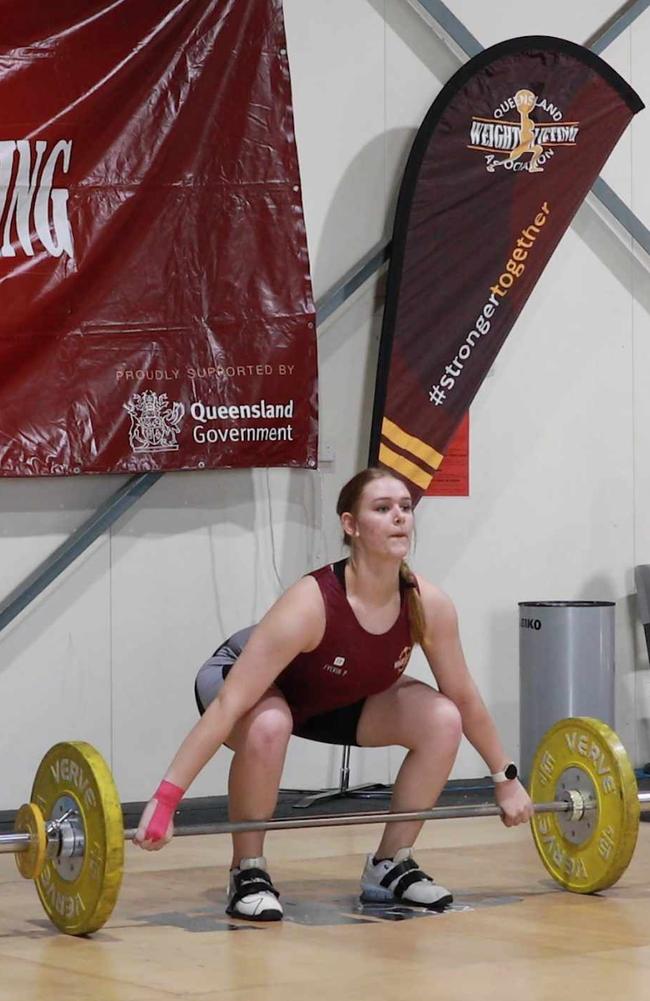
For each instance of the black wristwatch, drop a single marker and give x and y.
(507, 775)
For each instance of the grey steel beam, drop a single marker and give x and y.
(450, 25)
(76, 543)
(616, 25)
(470, 45)
(614, 204)
(351, 281)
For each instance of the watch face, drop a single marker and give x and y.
(511, 771)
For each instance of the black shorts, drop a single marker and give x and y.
(339, 726)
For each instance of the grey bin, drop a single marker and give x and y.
(566, 667)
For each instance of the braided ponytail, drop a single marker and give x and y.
(413, 603)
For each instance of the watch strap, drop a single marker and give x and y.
(508, 773)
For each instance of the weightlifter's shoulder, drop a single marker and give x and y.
(299, 612)
(438, 605)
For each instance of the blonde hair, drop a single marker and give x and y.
(348, 500)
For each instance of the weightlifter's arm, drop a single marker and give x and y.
(443, 649)
(294, 624)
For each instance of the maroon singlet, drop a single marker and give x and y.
(349, 663)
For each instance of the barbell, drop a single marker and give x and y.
(70, 837)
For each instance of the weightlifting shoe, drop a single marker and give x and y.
(400, 880)
(251, 894)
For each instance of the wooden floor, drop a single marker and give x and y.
(513, 934)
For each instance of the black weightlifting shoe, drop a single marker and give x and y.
(251, 894)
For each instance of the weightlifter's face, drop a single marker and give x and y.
(384, 518)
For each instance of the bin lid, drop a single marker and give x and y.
(566, 604)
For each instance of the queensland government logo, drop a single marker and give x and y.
(155, 422)
(524, 140)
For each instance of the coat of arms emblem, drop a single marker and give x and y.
(155, 422)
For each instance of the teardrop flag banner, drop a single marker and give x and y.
(499, 167)
(157, 307)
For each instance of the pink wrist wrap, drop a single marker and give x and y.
(167, 797)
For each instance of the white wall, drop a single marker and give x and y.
(560, 463)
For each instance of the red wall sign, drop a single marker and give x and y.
(156, 307)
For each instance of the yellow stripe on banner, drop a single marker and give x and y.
(411, 444)
(404, 467)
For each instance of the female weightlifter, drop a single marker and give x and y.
(327, 663)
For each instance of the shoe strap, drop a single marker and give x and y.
(398, 870)
(250, 881)
(408, 880)
(404, 874)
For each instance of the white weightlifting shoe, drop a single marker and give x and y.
(400, 880)
(251, 894)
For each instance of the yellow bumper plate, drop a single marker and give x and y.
(79, 892)
(593, 853)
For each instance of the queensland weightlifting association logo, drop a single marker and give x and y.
(402, 660)
(524, 133)
(155, 423)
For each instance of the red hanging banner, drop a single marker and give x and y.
(157, 308)
(452, 477)
(498, 169)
